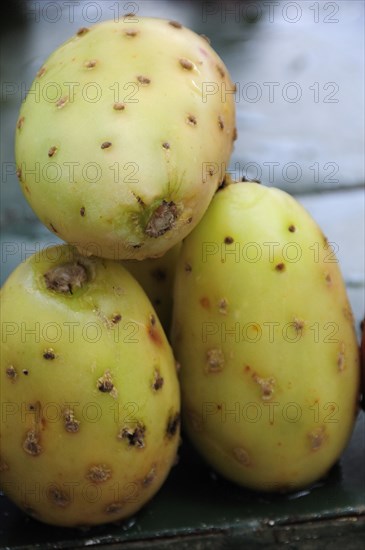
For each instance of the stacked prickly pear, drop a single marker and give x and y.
(115, 149)
(268, 353)
(125, 156)
(126, 147)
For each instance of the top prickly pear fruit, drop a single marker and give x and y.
(121, 140)
(264, 334)
(90, 417)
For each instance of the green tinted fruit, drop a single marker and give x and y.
(90, 397)
(264, 334)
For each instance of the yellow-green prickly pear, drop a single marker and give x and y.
(90, 397)
(156, 277)
(111, 148)
(263, 331)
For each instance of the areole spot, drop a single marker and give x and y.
(70, 423)
(157, 380)
(52, 150)
(221, 71)
(175, 24)
(116, 318)
(316, 438)
(292, 228)
(144, 80)
(267, 386)
(58, 497)
(205, 302)
(62, 102)
(114, 508)
(186, 64)
(41, 72)
(119, 106)
(53, 228)
(215, 360)
(90, 64)
(347, 312)
(162, 219)
(20, 123)
(66, 278)
(106, 144)
(134, 436)
(25, 372)
(328, 279)
(228, 240)
(173, 423)
(341, 362)
(105, 383)
(148, 479)
(220, 123)
(99, 473)
(298, 325)
(242, 456)
(166, 145)
(82, 211)
(280, 267)
(31, 444)
(223, 306)
(49, 353)
(159, 274)
(19, 173)
(188, 268)
(11, 373)
(82, 31)
(191, 120)
(235, 134)
(131, 33)
(153, 331)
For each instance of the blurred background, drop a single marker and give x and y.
(299, 72)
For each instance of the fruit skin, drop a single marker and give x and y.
(90, 423)
(156, 277)
(263, 330)
(121, 140)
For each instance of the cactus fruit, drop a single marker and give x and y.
(121, 140)
(264, 333)
(90, 397)
(156, 277)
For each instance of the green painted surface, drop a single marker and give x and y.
(197, 509)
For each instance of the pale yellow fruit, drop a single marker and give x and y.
(125, 135)
(90, 397)
(264, 334)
